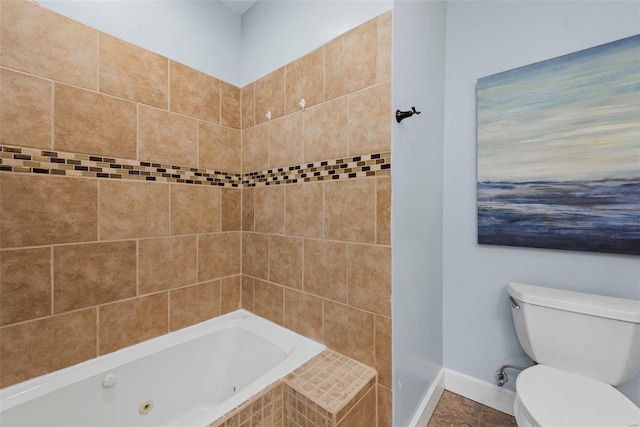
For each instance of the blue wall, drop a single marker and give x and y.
(484, 38)
(416, 216)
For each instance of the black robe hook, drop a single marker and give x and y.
(401, 115)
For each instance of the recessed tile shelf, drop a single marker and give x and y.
(37, 161)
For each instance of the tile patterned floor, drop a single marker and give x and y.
(456, 411)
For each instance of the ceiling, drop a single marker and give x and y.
(239, 6)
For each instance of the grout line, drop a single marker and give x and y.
(168, 84)
(52, 278)
(347, 278)
(324, 74)
(324, 211)
(98, 210)
(197, 160)
(169, 310)
(52, 138)
(97, 331)
(137, 267)
(375, 211)
(137, 132)
(98, 61)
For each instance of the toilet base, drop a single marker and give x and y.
(521, 415)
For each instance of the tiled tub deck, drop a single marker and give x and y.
(330, 390)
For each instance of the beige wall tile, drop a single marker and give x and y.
(125, 323)
(305, 79)
(248, 211)
(166, 263)
(349, 331)
(166, 137)
(247, 293)
(247, 95)
(349, 210)
(350, 61)
(40, 210)
(230, 105)
(383, 349)
(384, 47)
(93, 273)
(303, 314)
(26, 114)
(268, 301)
(370, 120)
(383, 210)
(326, 131)
(286, 142)
(370, 278)
(269, 209)
(231, 209)
(230, 294)
(363, 414)
(385, 398)
(218, 255)
(255, 148)
(25, 285)
(41, 42)
(325, 269)
(304, 209)
(270, 91)
(131, 72)
(194, 93)
(195, 209)
(219, 148)
(35, 348)
(285, 261)
(92, 123)
(255, 255)
(133, 209)
(193, 304)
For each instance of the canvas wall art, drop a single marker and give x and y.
(559, 152)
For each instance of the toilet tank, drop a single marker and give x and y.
(591, 335)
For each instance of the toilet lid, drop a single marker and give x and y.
(558, 398)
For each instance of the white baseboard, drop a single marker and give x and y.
(428, 404)
(488, 394)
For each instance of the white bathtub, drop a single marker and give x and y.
(190, 377)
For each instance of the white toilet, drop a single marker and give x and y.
(583, 344)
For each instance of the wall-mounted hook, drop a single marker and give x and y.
(302, 103)
(401, 115)
(268, 115)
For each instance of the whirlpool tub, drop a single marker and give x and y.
(190, 377)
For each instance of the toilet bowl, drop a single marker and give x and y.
(583, 345)
(547, 396)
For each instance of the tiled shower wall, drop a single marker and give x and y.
(121, 203)
(317, 251)
(99, 248)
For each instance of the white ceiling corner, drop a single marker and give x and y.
(239, 6)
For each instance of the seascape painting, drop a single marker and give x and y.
(559, 152)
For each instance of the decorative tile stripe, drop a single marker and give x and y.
(325, 170)
(37, 161)
(33, 160)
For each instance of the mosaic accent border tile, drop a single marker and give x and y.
(344, 168)
(33, 160)
(51, 162)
